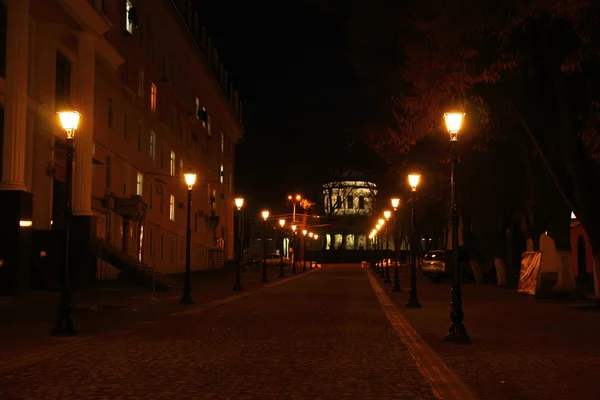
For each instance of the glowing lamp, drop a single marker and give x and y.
(239, 202)
(69, 119)
(316, 236)
(453, 123)
(304, 232)
(387, 214)
(413, 181)
(310, 234)
(294, 228)
(298, 197)
(190, 179)
(395, 202)
(282, 222)
(265, 214)
(381, 221)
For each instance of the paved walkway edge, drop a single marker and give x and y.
(446, 385)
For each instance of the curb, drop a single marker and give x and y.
(445, 383)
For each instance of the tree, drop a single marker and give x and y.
(520, 68)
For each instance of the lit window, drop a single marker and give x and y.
(222, 174)
(153, 97)
(209, 128)
(172, 164)
(128, 16)
(197, 108)
(139, 184)
(222, 142)
(152, 145)
(181, 165)
(141, 84)
(172, 208)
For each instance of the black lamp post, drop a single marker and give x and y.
(395, 204)
(239, 203)
(310, 235)
(304, 232)
(281, 224)
(294, 250)
(190, 179)
(316, 237)
(381, 222)
(64, 324)
(457, 331)
(413, 300)
(265, 215)
(387, 215)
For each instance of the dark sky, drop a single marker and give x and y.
(298, 89)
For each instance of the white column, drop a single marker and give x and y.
(82, 171)
(15, 105)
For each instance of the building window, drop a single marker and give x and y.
(129, 16)
(221, 174)
(222, 142)
(172, 208)
(197, 108)
(151, 242)
(125, 179)
(162, 245)
(139, 184)
(109, 112)
(125, 133)
(181, 166)
(151, 198)
(62, 95)
(209, 127)
(172, 164)
(338, 202)
(2, 39)
(153, 97)
(141, 84)
(361, 203)
(350, 202)
(172, 122)
(152, 145)
(108, 171)
(139, 138)
(162, 156)
(161, 199)
(173, 248)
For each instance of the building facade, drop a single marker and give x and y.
(348, 206)
(155, 102)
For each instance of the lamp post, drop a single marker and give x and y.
(413, 300)
(315, 237)
(377, 245)
(190, 179)
(457, 331)
(294, 200)
(294, 250)
(281, 224)
(265, 215)
(310, 234)
(381, 222)
(239, 203)
(304, 232)
(64, 324)
(395, 203)
(387, 215)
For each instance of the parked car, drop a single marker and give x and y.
(438, 264)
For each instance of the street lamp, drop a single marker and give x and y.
(281, 224)
(239, 203)
(381, 222)
(310, 234)
(265, 215)
(457, 331)
(413, 301)
(304, 232)
(316, 237)
(69, 120)
(190, 179)
(395, 204)
(387, 215)
(294, 227)
(295, 199)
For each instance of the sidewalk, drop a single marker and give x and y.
(521, 348)
(26, 322)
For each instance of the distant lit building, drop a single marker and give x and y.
(155, 101)
(348, 205)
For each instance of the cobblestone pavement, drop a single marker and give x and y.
(522, 348)
(25, 323)
(322, 336)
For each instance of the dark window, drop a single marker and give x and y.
(2, 39)
(350, 202)
(150, 199)
(125, 133)
(361, 203)
(139, 138)
(108, 171)
(62, 96)
(151, 240)
(110, 113)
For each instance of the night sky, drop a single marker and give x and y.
(299, 91)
